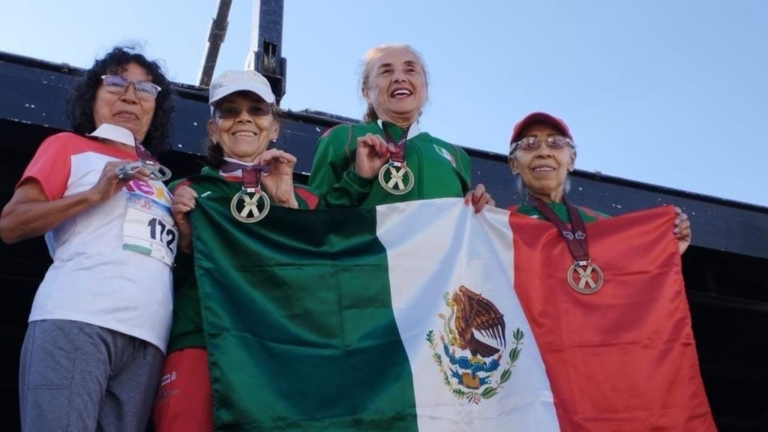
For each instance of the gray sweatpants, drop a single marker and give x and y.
(78, 377)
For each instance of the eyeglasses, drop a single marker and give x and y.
(228, 112)
(555, 142)
(116, 84)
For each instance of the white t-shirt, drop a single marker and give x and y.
(97, 276)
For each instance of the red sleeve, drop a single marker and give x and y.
(309, 197)
(51, 166)
(175, 187)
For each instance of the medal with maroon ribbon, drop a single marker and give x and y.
(584, 276)
(251, 204)
(157, 172)
(395, 177)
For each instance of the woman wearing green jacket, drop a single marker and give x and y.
(244, 120)
(388, 159)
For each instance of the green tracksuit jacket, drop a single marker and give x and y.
(187, 326)
(441, 170)
(560, 210)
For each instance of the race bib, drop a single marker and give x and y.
(149, 228)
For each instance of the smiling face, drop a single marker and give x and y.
(396, 86)
(243, 124)
(125, 110)
(543, 171)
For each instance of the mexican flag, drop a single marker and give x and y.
(424, 316)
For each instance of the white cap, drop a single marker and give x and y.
(234, 81)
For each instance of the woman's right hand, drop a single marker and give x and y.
(278, 182)
(184, 199)
(110, 183)
(372, 153)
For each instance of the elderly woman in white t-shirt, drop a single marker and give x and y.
(100, 320)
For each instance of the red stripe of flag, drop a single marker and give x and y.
(623, 358)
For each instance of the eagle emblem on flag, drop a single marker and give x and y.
(472, 346)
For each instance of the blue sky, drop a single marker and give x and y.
(668, 92)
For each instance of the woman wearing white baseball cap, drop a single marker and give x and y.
(244, 121)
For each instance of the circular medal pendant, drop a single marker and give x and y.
(127, 170)
(396, 178)
(250, 205)
(585, 277)
(158, 172)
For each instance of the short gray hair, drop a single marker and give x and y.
(370, 56)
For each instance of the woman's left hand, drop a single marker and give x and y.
(279, 181)
(479, 198)
(184, 200)
(682, 230)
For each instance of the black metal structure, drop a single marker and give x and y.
(266, 56)
(724, 269)
(216, 36)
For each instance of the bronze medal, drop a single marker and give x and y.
(250, 205)
(396, 178)
(584, 276)
(157, 172)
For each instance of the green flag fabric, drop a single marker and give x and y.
(424, 316)
(361, 320)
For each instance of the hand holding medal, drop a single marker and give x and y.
(371, 154)
(110, 182)
(374, 153)
(128, 170)
(157, 172)
(251, 204)
(278, 179)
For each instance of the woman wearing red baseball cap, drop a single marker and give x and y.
(542, 153)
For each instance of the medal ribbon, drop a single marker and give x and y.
(575, 237)
(251, 173)
(398, 155)
(145, 156)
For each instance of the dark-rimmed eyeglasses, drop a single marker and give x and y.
(116, 84)
(228, 112)
(555, 142)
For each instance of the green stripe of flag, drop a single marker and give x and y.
(301, 335)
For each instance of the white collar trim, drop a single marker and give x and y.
(412, 131)
(239, 161)
(114, 133)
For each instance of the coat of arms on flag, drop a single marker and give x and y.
(474, 326)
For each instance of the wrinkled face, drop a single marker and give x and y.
(543, 171)
(243, 124)
(397, 86)
(125, 109)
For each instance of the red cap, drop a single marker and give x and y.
(539, 117)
